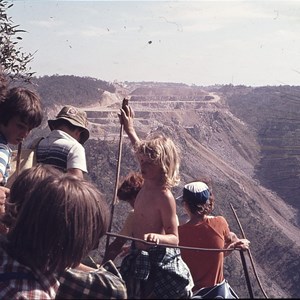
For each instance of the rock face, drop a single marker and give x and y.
(275, 116)
(246, 139)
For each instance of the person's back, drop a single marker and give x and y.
(63, 147)
(155, 215)
(204, 231)
(206, 266)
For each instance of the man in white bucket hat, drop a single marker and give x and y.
(63, 147)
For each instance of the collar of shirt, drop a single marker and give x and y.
(59, 134)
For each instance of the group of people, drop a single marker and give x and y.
(52, 217)
(155, 272)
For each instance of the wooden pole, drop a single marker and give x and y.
(18, 159)
(248, 251)
(168, 245)
(114, 202)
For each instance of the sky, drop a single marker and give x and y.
(254, 43)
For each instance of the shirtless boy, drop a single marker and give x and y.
(153, 271)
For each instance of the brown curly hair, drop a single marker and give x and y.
(130, 186)
(24, 103)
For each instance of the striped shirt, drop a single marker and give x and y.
(62, 151)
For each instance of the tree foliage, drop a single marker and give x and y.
(13, 60)
(70, 89)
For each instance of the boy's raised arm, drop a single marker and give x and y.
(126, 119)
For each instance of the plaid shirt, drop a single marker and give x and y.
(172, 277)
(20, 282)
(104, 283)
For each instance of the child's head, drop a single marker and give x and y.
(196, 195)
(61, 220)
(208, 181)
(163, 152)
(130, 187)
(23, 103)
(25, 181)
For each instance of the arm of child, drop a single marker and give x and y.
(126, 119)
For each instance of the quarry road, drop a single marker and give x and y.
(113, 104)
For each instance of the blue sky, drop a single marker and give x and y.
(254, 43)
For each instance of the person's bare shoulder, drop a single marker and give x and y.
(166, 200)
(165, 195)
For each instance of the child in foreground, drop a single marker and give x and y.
(54, 220)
